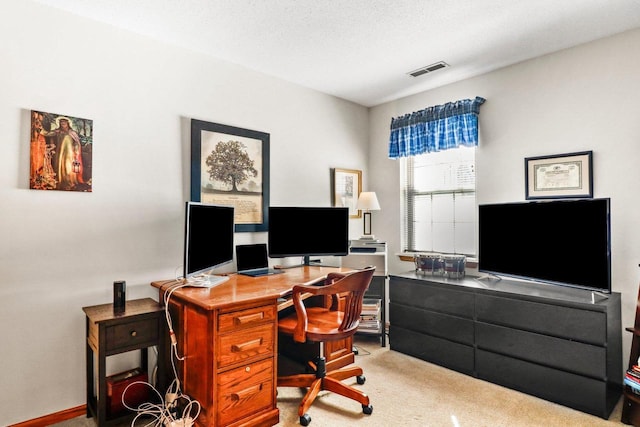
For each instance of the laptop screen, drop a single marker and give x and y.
(252, 256)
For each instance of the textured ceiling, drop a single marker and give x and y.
(362, 50)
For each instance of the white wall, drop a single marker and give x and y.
(60, 251)
(585, 98)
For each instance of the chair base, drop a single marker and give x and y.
(320, 380)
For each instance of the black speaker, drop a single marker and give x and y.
(119, 295)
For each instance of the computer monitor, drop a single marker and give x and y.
(308, 231)
(208, 241)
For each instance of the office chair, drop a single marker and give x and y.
(336, 320)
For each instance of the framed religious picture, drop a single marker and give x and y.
(347, 185)
(230, 166)
(61, 152)
(559, 176)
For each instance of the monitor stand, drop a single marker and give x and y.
(306, 262)
(598, 296)
(206, 281)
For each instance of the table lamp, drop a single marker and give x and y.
(367, 202)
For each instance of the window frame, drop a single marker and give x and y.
(409, 199)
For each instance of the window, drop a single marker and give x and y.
(439, 202)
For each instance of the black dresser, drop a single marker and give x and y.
(557, 343)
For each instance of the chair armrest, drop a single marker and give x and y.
(300, 332)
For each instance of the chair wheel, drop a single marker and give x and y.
(361, 379)
(367, 409)
(305, 420)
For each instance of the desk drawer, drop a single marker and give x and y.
(246, 344)
(244, 318)
(131, 334)
(245, 391)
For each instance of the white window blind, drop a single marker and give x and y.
(439, 202)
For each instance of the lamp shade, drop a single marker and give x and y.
(368, 201)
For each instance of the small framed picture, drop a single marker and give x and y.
(559, 176)
(347, 186)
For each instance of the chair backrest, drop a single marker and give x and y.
(349, 287)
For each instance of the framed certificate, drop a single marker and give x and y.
(559, 176)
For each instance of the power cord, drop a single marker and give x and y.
(175, 409)
(172, 335)
(166, 413)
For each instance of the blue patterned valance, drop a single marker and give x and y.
(435, 128)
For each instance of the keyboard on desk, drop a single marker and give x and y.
(257, 272)
(206, 281)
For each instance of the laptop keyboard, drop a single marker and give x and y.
(260, 272)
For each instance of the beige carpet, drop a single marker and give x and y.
(405, 391)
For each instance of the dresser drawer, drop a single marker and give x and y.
(430, 296)
(452, 328)
(432, 349)
(576, 391)
(131, 334)
(558, 353)
(246, 318)
(560, 321)
(245, 344)
(245, 391)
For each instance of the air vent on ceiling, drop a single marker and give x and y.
(428, 69)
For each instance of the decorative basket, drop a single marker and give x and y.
(429, 264)
(454, 266)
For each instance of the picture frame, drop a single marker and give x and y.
(61, 152)
(346, 188)
(246, 188)
(559, 176)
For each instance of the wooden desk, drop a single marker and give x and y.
(229, 338)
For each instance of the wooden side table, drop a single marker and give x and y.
(139, 327)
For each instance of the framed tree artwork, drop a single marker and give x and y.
(230, 166)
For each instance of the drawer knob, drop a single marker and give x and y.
(134, 333)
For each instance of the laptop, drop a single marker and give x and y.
(252, 260)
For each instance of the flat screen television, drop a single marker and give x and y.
(308, 231)
(564, 242)
(208, 242)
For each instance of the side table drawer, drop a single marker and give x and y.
(246, 344)
(245, 391)
(131, 334)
